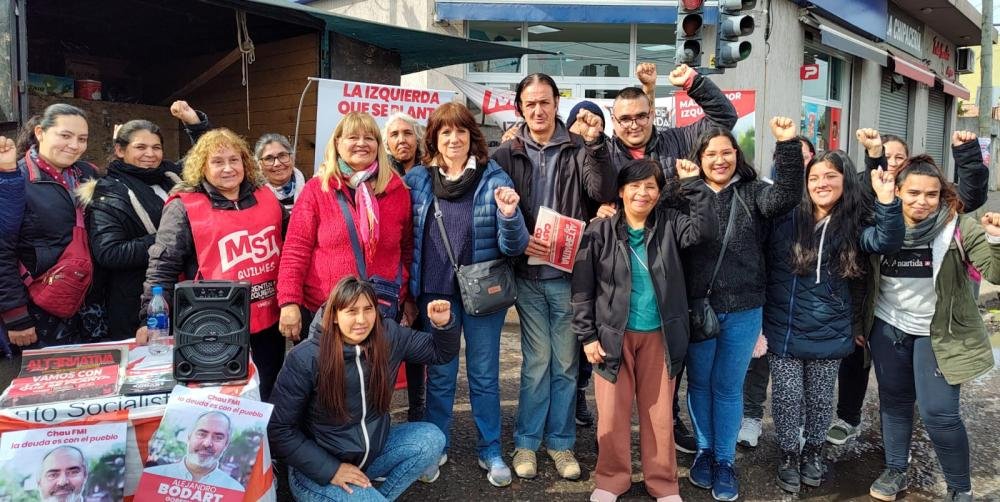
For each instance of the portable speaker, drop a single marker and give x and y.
(211, 331)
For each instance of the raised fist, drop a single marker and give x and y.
(646, 73)
(588, 125)
(680, 75)
(8, 155)
(507, 200)
(439, 313)
(183, 111)
(884, 185)
(509, 134)
(991, 223)
(871, 141)
(686, 168)
(962, 137)
(783, 128)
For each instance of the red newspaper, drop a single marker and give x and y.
(69, 373)
(204, 449)
(563, 234)
(148, 373)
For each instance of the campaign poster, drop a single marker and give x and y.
(687, 112)
(814, 124)
(204, 448)
(563, 235)
(337, 98)
(72, 463)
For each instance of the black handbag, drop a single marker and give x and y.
(386, 291)
(704, 322)
(487, 287)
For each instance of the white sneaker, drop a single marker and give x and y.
(432, 473)
(840, 432)
(750, 430)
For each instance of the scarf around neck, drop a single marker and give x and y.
(924, 232)
(141, 182)
(365, 204)
(69, 178)
(447, 189)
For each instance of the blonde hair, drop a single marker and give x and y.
(211, 142)
(329, 169)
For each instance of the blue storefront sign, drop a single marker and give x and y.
(866, 17)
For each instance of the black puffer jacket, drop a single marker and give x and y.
(46, 229)
(587, 180)
(668, 144)
(809, 317)
(301, 430)
(602, 278)
(119, 240)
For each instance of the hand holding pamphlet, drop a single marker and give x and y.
(563, 235)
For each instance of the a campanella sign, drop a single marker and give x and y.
(904, 33)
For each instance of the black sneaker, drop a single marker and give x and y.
(788, 472)
(584, 417)
(811, 466)
(889, 485)
(683, 440)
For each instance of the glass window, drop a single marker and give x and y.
(6, 67)
(503, 33)
(581, 49)
(823, 100)
(656, 43)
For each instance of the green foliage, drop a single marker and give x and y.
(747, 143)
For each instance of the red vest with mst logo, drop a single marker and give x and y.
(240, 245)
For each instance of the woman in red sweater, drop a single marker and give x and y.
(318, 251)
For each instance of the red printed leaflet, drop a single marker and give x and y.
(50, 375)
(563, 235)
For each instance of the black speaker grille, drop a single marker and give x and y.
(206, 324)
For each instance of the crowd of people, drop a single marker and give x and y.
(690, 264)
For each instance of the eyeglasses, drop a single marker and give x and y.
(271, 160)
(639, 120)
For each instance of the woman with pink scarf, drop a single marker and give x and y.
(352, 218)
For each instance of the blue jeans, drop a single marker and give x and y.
(482, 365)
(908, 374)
(547, 400)
(716, 370)
(410, 448)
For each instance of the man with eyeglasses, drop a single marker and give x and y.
(632, 117)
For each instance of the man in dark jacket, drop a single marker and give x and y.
(632, 117)
(570, 172)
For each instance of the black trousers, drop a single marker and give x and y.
(852, 383)
(267, 349)
(755, 388)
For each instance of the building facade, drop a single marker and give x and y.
(837, 64)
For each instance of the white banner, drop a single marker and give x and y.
(338, 98)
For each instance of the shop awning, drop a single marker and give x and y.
(955, 89)
(582, 11)
(850, 43)
(913, 70)
(418, 50)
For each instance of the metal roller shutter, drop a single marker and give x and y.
(937, 106)
(894, 109)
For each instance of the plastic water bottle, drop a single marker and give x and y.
(158, 322)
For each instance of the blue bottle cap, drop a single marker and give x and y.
(157, 290)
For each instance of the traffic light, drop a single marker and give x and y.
(690, 18)
(735, 22)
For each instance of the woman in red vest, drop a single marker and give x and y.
(353, 218)
(222, 223)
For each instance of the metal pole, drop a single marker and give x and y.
(986, 70)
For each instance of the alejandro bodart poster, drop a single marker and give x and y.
(79, 462)
(204, 449)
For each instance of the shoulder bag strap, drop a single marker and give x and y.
(444, 235)
(352, 232)
(725, 239)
